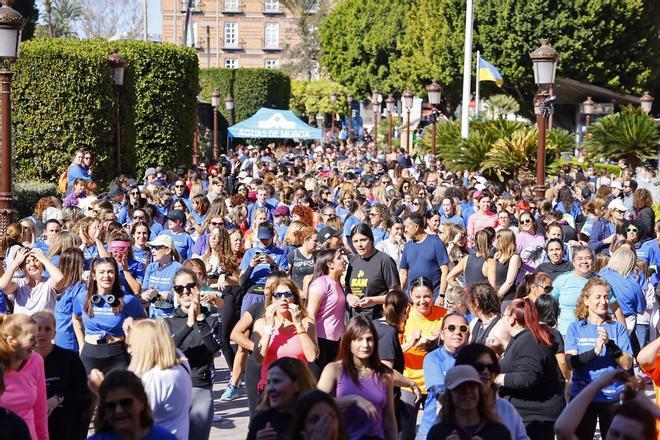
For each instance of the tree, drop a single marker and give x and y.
(303, 56)
(65, 13)
(313, 97)
(106, 19)
(28, 10)
(630, 134)
(359, 43)
(501, 105)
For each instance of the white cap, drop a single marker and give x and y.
(480, 187)
(617, 204)
(481, 179)
(617, 185)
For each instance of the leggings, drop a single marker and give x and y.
(229, 319)
(252, 377)
(328, 350)
(201, 413)
(409, 412)
(596, 411)
(541, 431)
(104, 357)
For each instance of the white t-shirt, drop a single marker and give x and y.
(170, 395)
(30, 300)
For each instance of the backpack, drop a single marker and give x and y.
(62, 182)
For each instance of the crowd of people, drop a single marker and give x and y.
(353, 294)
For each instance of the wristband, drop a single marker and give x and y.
(582, 358)
(613, 350)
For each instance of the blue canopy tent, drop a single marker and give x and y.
(270, 123)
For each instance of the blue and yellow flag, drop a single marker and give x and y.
(488, 72)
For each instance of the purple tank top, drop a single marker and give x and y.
(356, 421)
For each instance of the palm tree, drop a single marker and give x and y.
(630, 134)
(64, 14)
(501, 105)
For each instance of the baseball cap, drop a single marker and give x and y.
(617, 185)
(265, 231)
(162, 240)
(176, 214)
(327, 232)
(150, 172)
(281, 210)
(459, 375)
(617, 204)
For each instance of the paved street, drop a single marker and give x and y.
(234, 423)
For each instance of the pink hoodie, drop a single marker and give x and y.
(25, 395)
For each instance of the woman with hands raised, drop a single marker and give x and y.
(594, 345)
(285, 329)
(33, 293)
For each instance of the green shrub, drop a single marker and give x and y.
(250, 88)
(64, 98)
(598, 167)
(26, 195)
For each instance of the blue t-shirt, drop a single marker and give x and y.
(424, 259)
(64, 334)
(183, 243)
(140, 255)
(581, 337)
(156, 432)
(160, 277)
(155, 229)
(349, 223)
(105, 322)
(262, 270)
(42, 245)
(136, 269)
(380, 234)
(628, 291)
(90, 253)
(566, 289)
(436, 365)
(456, 219)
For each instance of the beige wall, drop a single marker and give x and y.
(251, 22)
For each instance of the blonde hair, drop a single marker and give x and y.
(581, 309)
(151, 346)
(11, 326)
(506, 245)
(622, 261)
(292, 233)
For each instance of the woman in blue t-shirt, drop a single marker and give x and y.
(594, 345)
(157, 283)
(131, 271)
(141, 234)
(68, 290)
(88, 229)
(99, 318)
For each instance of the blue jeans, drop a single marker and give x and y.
(642, 332)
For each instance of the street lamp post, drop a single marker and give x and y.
(333, 99)
(646, 102)
(349, 100)
(588, 109)
(408, 99)
(229, 105)
(544, 60)
(11, 25)
(376, 108)
(390, 104)
(215, 102)
(117, 63)
(195, 157)
(434, 90)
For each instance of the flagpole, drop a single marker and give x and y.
(476, 93)
(467, 71)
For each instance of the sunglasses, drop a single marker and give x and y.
(157, 248)
(546, 289)
(288, 294)
(184, 288)
(87, 158)
(125, 404)
(525, 222)
(179, 186)
(415, 203)
(492, 368)
(135, 193)
(138, 217)
(462, 328)
(620, 211)
(217, 223)
(627, 230)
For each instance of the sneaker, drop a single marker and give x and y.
(217, 418)
(230, 393)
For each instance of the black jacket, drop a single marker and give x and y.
(531, 379)
(198, 343)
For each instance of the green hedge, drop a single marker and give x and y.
(250, 88)
(63, 98)
(26, 195)
(598, 167)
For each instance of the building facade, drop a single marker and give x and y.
(232, 33)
